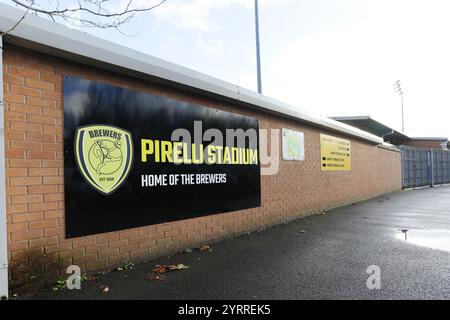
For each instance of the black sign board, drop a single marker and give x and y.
(123, 168)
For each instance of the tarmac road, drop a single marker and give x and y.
(319, 257)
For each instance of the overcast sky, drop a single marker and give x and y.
(333, 57)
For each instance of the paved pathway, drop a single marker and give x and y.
(319, 257)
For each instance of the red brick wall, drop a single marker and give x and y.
(428, 144)
(38, 250)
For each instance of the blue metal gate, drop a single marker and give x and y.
(441, 167)
(424, 167)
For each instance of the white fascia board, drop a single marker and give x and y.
(3, 227)
(389, 146)
(67, 43)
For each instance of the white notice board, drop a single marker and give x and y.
(293, 145)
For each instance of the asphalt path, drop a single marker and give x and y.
(318, 257)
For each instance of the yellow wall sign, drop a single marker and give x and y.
(335, 154)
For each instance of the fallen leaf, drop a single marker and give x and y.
(160, 269)
(155, 277)
(104, 289)
(177, 267)
(166, 268)
(205, 247)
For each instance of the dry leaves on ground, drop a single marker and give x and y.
(163, 268)
(155, 277)
(104, 289)
(205, 247)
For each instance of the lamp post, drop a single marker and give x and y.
(398, 89)
(258, 53)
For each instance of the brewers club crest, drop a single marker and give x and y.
(104, 155)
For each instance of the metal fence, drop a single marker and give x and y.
(424, 167)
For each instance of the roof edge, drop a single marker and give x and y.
(429, 138)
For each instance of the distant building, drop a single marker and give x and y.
(429, 142)
(389, 135)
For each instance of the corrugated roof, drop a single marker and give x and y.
(367, 123)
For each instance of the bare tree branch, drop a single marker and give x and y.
(85, 13)
(17, 23)
(97, 3)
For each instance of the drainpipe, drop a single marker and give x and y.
(3, 234)
(402, 165)
(431, 168)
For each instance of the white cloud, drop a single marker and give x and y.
(211, 46)
(344, 65)
(342, 72)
